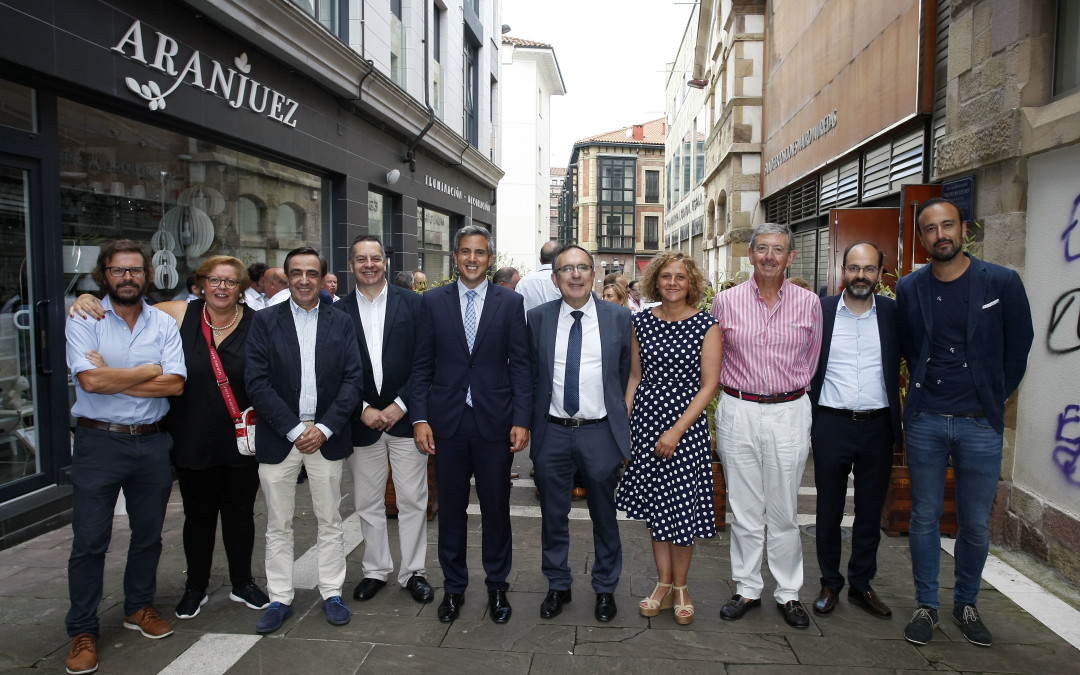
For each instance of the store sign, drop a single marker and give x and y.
(455, 192)
(234, 85)
(827, 124)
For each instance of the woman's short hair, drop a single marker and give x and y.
(649, 283)
(213, 261)
(619, 292)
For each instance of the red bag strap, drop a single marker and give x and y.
(219, 372)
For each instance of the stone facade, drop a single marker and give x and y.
(1001, 117)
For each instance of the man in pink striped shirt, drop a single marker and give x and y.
(772, 340)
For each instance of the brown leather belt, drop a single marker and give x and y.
(782, 397)
(855, 415)
(129, 429)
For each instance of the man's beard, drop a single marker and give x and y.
(862, 291)
(941, 255)
(118, 299)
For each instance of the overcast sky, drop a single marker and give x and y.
(612, 54)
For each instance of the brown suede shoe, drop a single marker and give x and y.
(147, 622)
(82, 657)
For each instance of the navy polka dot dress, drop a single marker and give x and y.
(673, 496)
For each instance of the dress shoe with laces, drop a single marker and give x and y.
(450, 607)
(605, 607)
(794, 613)
(273, 618)
(82, 657)
(420, 589)
(367, 588)
(149, 623)
(337, 614)
(870, 602)
(826, 601)
(737, 607)
(499, 605)
(551, 607)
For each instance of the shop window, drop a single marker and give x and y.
(290, 223)
(436, 244)
(1067, 47)
(184, 198)
(17, 106)
(250, 216)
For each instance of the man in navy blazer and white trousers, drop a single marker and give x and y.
(471, 408)
(965, 331)
(581, 364)
(304, 377)
(385, 317)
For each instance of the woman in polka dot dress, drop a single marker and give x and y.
(674, 371)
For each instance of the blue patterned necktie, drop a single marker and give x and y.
(573, 365)
(470, 332)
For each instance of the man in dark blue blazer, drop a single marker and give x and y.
(304, 377)
(965, 331)
(385, 318)
(471, 407)
(856, 420)
(581, 364)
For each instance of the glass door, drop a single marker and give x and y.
(19, 385)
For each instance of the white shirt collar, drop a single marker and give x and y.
(589, 308)
(300, 311)
(481, 289)
(842, 306)
(382, 294)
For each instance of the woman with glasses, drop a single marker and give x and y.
(674, 373)
(215, 479)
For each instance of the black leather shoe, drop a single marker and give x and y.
(605, 607)
(551, 607)
(826, 601)
(737, 607)
(499, 606)
(367, 588)
(420, 589)
(794, 613)
(450, 606)
(870, 602)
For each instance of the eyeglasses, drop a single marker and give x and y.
(762, 249)
(119, 272)
(569, 269)
(217, 281)
(855, 269)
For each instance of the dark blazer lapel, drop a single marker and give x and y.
(393, 303)
(487, 316)
(606, 321)
(828, 323)
(550, 330)
(453, 308)
(287, 329)
(352, 308)
(976, 297)
(922, 287)
(322, 331)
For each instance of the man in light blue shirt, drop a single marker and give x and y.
(856, 421)
(123, 366)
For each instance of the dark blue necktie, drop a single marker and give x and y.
(573, 365)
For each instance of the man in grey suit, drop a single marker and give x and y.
(581, 364)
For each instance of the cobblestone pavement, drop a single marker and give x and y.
(391, 633)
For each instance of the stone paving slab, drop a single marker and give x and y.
(391, 633)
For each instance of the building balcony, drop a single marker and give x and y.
(614, 244)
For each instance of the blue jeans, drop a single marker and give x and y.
(975, 448)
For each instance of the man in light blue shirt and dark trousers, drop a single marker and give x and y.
(855, 397)
(123, 366)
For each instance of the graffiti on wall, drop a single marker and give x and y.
(1067, 451)
(1063, 337)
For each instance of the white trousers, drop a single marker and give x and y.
(764, 447)
(368, 465)
(279, 487)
